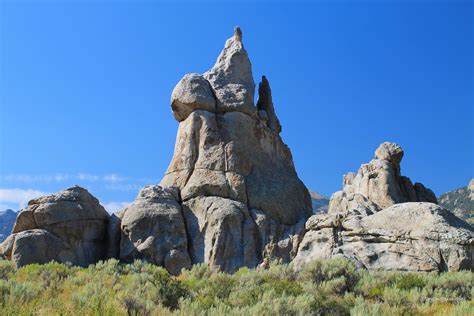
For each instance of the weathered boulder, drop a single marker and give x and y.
(68, 226)
(152, 228)
(221, 233)
(372, 223)
(231, 163)
(192, 93)
(411, 236)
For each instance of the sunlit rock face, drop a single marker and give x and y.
(242, 199)
(68, 226)
(381, 221)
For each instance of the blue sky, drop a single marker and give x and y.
(85, 87)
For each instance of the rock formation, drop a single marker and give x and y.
(151, 228)
(68, 226)
(381, 182)
(381, 221)
(240, 193)
(231, 198)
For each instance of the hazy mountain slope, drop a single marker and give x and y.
(320, 202)
(460, 202)
(7, 219)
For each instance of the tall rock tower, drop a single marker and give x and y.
(241, 197)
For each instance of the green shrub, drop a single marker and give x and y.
(323, 287)
(341, 272)
(407, 281)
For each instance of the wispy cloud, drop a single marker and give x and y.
(26, 178)
(113, 178)
(61, 177)
(126, 187)
(113, 207)
(18, 197)
(87, 177)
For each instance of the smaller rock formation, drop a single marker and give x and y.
(265, 105)
(381, 182)
(68, 226)
(377, 223)
(152, 229)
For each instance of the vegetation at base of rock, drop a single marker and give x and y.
(323, 287)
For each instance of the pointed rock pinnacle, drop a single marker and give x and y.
(238, 33)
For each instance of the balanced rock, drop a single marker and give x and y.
(193, 92)
(377, 223)
(241, 197)
(68, 226)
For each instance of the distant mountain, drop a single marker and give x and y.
(320, 202)
(460, 202)
(7, 219)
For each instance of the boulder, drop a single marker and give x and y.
(68, 226)
(152, 228)
(409, 236)
(193, 92)
(221, 233)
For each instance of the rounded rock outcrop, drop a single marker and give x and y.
(193, 92)
(152, 228)
(68, 226)
(391, 152)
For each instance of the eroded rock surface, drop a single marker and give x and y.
(68, 226)
(152, 229)
(381, 182)
(376, 222)
(230, 163)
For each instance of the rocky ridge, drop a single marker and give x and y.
(460, 202)
(7, 220)
(319, 202)
(231, 197)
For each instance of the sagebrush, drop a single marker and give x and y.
(323, 287)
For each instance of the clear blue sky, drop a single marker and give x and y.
(85, 87)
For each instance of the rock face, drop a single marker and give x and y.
(460, 202)
(152, 229)
(68, 226)
(239, 189)
(381, 221)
